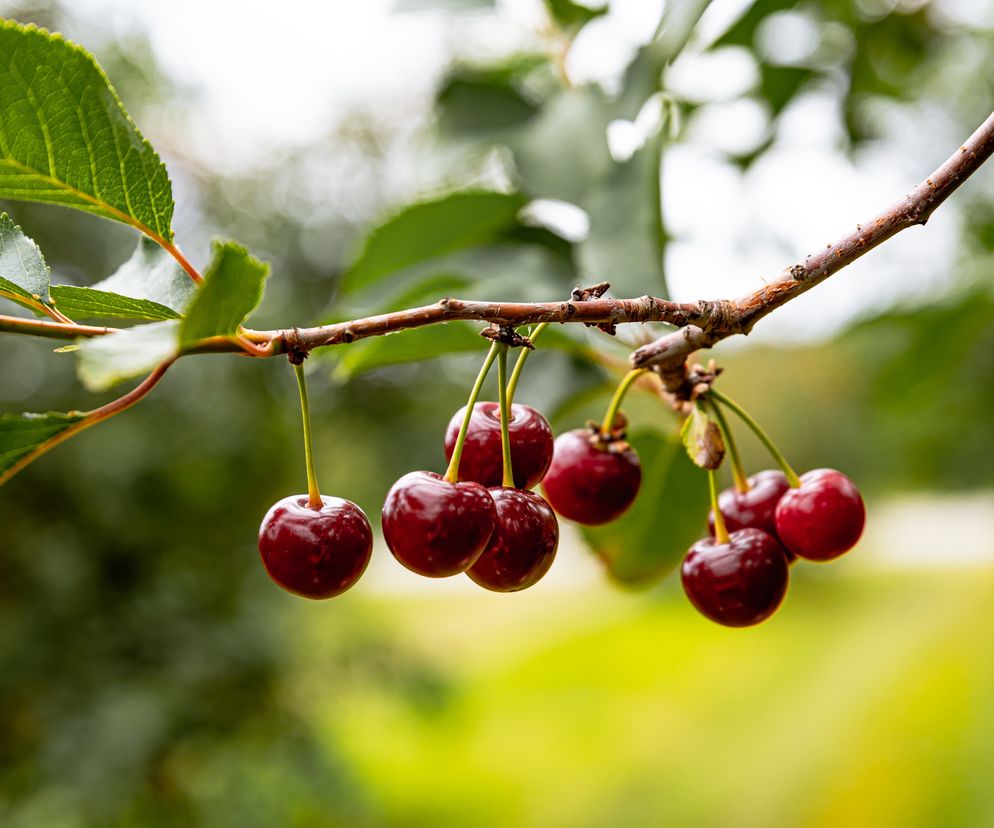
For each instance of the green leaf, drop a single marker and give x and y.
(702, 439)
(569, 15)
(408, 346)
(20, 434)
(152, 274)
(433, 228)
(90, 303)
(106, 360)
(232, 289)
(66, 139)
(23, 273)
(677, 25)
(648, 541)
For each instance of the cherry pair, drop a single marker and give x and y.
(504, 538)
(743, 579)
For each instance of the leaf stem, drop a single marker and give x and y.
(91, 418)
(764, 438)
(739, 478)
(512, 384)
(505, 413)
(607, 425)
(313, 491)
(720, 530)
(452, 472)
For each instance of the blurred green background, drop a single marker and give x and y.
(150, 674)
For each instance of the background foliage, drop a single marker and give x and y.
(152, 675)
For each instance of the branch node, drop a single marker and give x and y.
(507, 335)
(294, 349)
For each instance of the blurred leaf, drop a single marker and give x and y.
(702, 439)
(89, 303)
(432, 228)
(23, 273)
(424, 292)
(568, 14)
(780, 84)
(152, 274)
(677, 24)
(669, 514)
(625, 243)
(66, 139)
(483, 101)
(20, 433)
(411, 345)
(106, 360)
(232, 289)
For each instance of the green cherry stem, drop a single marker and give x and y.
(313, 492)
(607, 426)
(738, 473)
(720, 530)
(505, 413)
(512, 384)
(764, 438)
(452, 472)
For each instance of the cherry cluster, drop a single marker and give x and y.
(759, 527)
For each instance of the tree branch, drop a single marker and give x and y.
(727, 318)
(703, 323)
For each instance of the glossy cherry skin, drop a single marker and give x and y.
(755, 508)
(738, 583)
(589, 481)
(822, 518)
(523, 544)
(437, 528)
(482, 460)
(315, 553)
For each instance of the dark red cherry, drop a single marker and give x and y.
(437, 528)
(822, 518)
(523, 544)
(738, 583)
(316, 553)
(755, 508)
(482, 461)
(591, 481)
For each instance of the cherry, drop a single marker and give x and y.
(523, 545)
(822, 518)
(316, 553)
(437, 528)
(755, 508)
(481, 461)
(738, 583)
(591, 480)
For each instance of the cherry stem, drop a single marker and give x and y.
(505, 437)
(452, 472)
(739, 479)
(764, 438)
(607, 426)
(720, 530)
(512, 384)
(313, 492)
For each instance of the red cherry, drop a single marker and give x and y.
(316, 553)
(822, 518)
(738, 583)
(591, 481)
(482, 461)
(755, 508)
(523, 545)
(437, 528)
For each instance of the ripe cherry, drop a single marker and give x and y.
(823, 517)
(481, 461)
(591, 480)
(738, 583)
(523, 544)
(316, 553)
(437, 528)
(754, 508)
